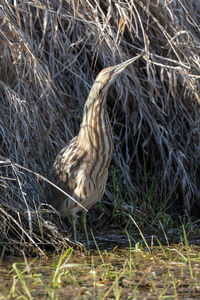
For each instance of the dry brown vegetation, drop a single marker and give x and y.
(50, 53)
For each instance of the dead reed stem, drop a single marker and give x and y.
(50, 53)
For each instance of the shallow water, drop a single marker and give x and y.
(120, 273)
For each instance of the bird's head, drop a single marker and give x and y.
(109, 75)
(104, 80)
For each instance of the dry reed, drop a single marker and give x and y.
(50, 53)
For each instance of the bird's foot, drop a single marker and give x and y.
(83, 221)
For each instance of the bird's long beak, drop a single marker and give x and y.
(120, 67)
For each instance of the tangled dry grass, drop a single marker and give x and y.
(50, 53)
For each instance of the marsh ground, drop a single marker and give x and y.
(139, 271)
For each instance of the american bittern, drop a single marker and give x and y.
(81, 168)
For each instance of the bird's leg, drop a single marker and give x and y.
(74, 220)
(83, 221)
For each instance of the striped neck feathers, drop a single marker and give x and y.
(95, 120)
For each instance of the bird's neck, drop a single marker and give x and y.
(95, 130)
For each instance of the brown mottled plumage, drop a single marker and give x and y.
(81, 168)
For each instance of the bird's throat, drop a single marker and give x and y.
(95, 133)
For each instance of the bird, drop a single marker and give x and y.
(81, 167)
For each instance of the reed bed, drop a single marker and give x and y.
(50, 54)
